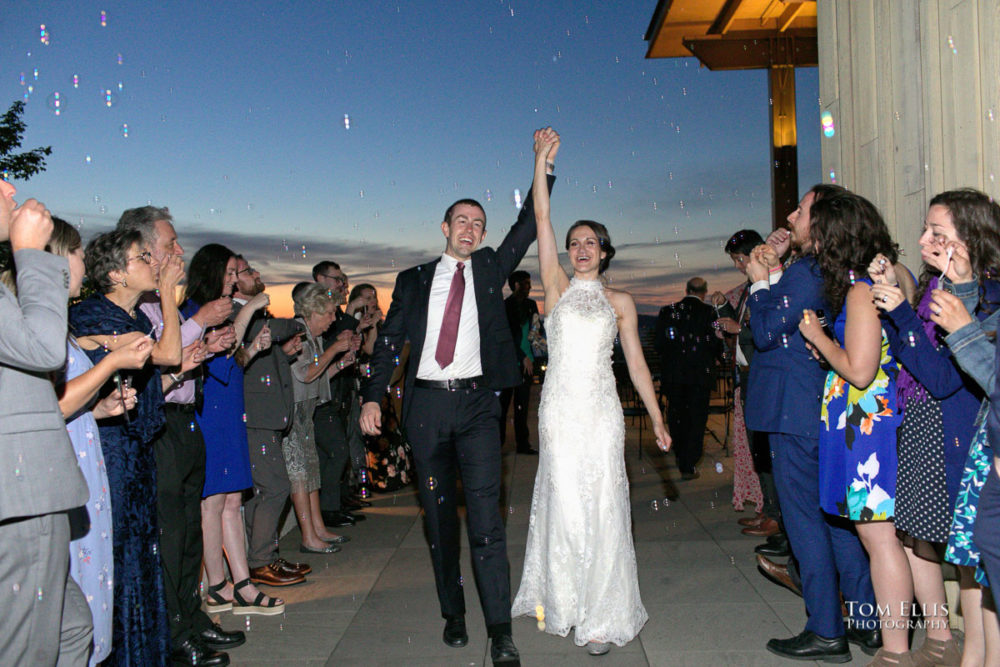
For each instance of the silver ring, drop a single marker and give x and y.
(884, 298)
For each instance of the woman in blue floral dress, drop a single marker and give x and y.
(857, 445)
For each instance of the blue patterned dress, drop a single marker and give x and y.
(961, 549)
(91, 558)
(857, 441)
(140, 635)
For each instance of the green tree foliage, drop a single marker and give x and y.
(18, 165)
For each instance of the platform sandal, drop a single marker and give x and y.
(262, 604)
(215, 603)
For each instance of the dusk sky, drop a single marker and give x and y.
(341, 130)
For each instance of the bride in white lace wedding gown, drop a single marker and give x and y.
(579, 566)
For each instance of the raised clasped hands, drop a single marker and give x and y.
(948, 311)
(781, 240)
(886, 297)
(546, 144)
(757, 267)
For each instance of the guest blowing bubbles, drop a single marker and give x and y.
(121, 268)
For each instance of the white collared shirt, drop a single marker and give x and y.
(466, 363)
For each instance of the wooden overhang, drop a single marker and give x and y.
(735, 34)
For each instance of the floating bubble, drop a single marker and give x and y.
(850, 276)
(489, 195)
(431, 483)
(833, 176)
(654, 505)
(125, 130)
(40, 594)
(517, 198)
(21, 79)
(109, 97)
(43, 35)
(826, 120)
(911, 339)
(191, 426)
(56, 103)
(718, 467)
(951, 45)
(76, 80)
(347, 121)
(989, 114)
(35, 74)
(104, 19)
(784, 301)
(784, 340)
(539, 612)
(120, 59)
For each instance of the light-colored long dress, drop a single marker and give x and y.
(91, 557)
(579, 567)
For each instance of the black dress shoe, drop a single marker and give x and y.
(454, 632)
(503, 651)
(355, 502)
(869, 641)
(337, 519)
(777, 538)
(191, 652)
(769, 550)
(217, 639)
(808, 645)
(527, 449)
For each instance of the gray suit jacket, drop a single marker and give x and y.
(267, 381)
(38, 470)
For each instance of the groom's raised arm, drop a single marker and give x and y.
(521, 235)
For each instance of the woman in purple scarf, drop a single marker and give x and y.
(939, 400)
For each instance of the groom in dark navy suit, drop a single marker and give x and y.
(461, 353)
(783, 400)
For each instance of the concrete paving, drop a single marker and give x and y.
(374, 603)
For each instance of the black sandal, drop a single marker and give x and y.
(214, 602)
(262, 604)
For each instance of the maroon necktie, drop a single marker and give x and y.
(445, 352)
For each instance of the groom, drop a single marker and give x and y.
(461, 353)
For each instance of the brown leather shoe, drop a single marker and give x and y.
(766, 528)
(777, 574)
(273, 575)
(752, 520)
(294, 568)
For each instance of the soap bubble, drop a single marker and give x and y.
(347, 121)
(517, 198)
(826, 119)
(56, 102)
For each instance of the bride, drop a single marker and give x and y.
(579, 567)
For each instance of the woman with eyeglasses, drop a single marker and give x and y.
(121, 269)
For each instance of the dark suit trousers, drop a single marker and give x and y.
(34, 561)
(521, 395)
(687, 414)
(454, 432)
(332, 448)
(270, 493)
(828, 551)
(180, 479)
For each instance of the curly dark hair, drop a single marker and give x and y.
(976, 217)
(603, 237)
(207, 273)
(109, 252)
(847, 232)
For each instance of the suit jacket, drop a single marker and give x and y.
(407, 316)
(745, 337)
(686, 342)
(267, 384)
(517, 314)
(38, 470)
(786, 382)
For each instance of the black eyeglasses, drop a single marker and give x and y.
(339, 279)
(249, 269)
(144, 256)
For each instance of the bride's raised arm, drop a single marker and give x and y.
(554, 280)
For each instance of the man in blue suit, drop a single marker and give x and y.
(785, 391)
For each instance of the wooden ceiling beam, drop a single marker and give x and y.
(775, 50)
(725, 17)
(789, 15)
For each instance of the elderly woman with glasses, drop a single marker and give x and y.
(121, 269)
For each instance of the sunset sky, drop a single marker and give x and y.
(294, 132)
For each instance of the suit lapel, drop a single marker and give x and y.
(479, 261)
(425, 276)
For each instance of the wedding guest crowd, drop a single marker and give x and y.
(867, 411)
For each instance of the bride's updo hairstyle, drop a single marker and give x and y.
(601, 232)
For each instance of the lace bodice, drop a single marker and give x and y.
(581, 331)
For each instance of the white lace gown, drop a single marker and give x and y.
(579, 566)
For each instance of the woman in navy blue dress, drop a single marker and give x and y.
(122, 269)
(222, 421)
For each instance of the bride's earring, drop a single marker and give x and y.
(124, 282)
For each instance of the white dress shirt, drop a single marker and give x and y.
(467, 362)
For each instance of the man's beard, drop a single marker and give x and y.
(257, 288)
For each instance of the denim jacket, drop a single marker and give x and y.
(974, 352)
